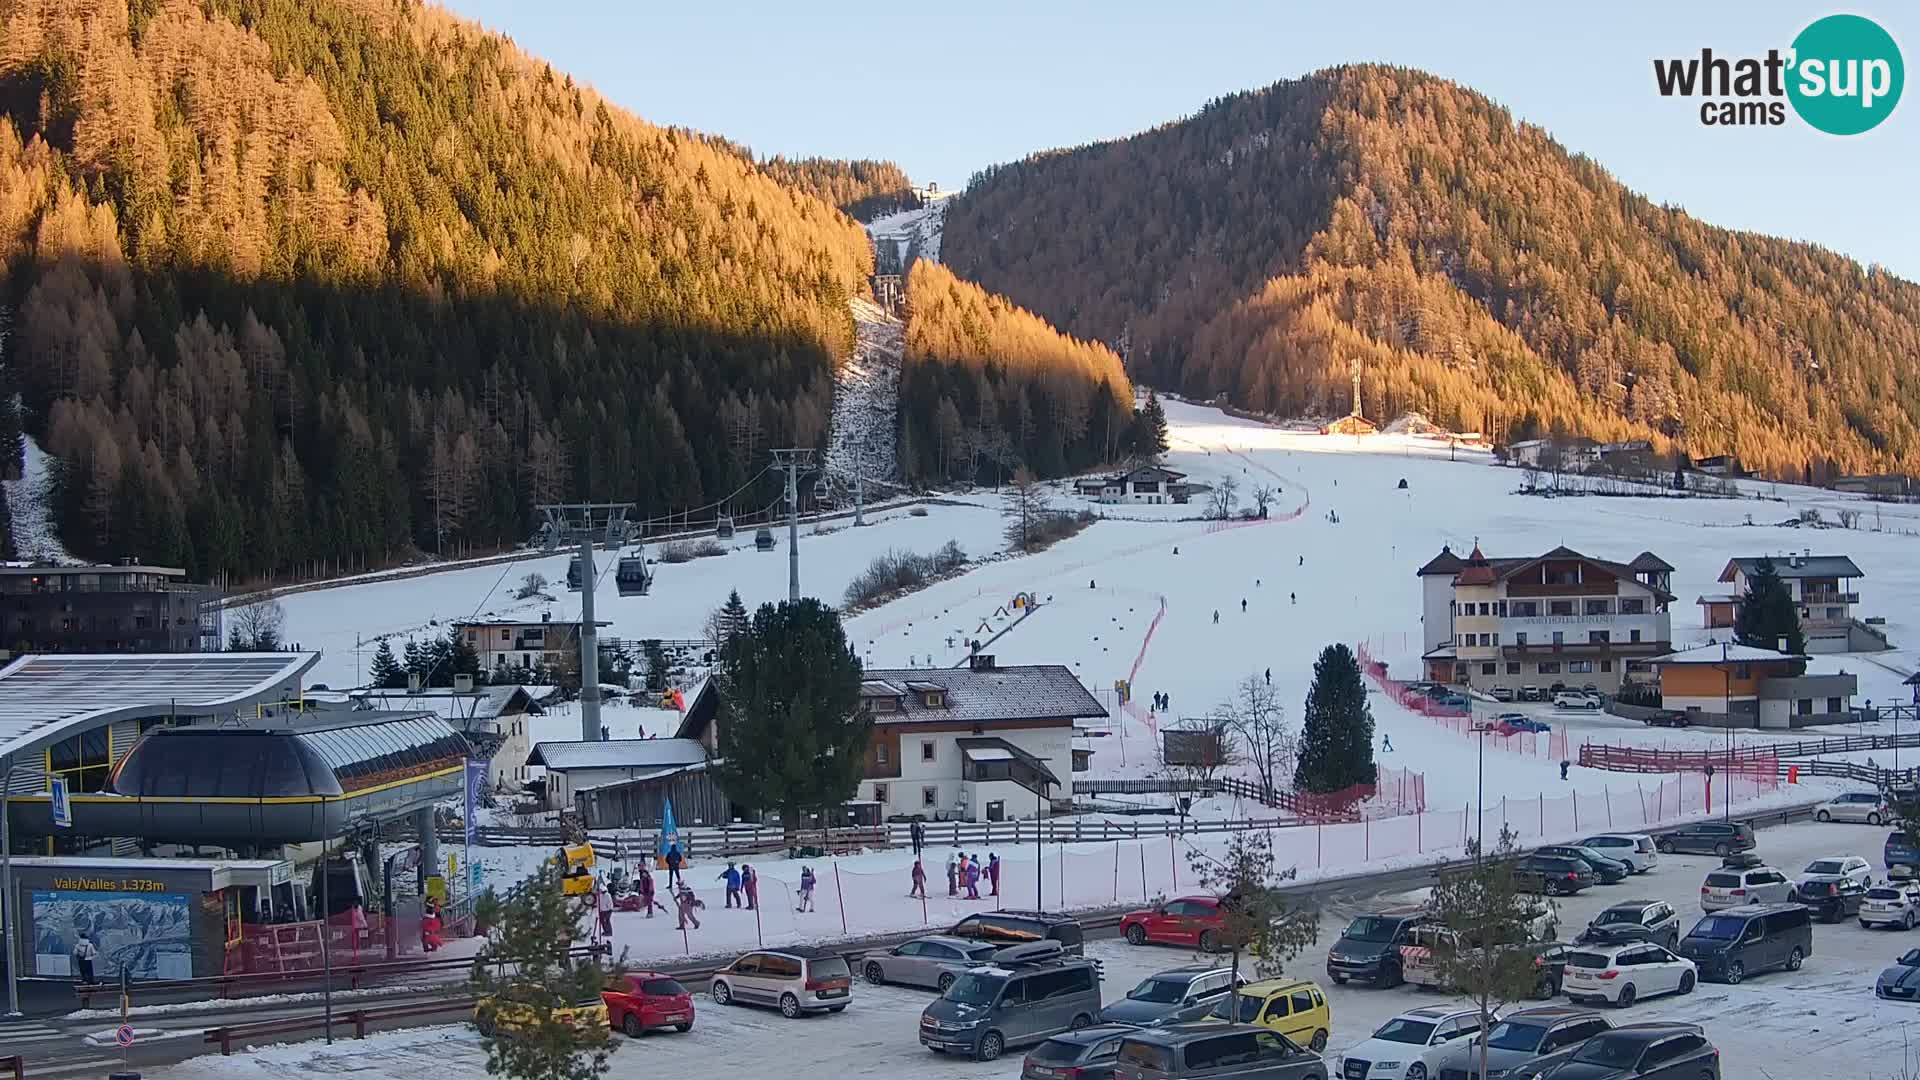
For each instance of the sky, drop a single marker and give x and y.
(945, 90)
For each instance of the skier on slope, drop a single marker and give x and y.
(1216, 616)
(1295, 597)
(1243, 605)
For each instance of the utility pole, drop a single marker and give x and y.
(587, 523)
(793, 460)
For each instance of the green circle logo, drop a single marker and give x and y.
(1846, 76)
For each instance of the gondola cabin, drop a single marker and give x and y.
(576, 574)
(763, 540)
(631, 576)
(723, 528)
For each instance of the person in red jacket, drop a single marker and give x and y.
(919, 881)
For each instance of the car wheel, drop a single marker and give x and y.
(1721, 849)
(1824, 816)
(874, 975)
(631, 1025)
(1340, 980)
(1865, 925)
(1545, 989)
(722, 994)
(1081, 1021)
(1906, 921)
(1390, 975)
(1686, 982)
(1793, 959)
(1873, 819)
(1736, 971)
(1319, 1041)
(1136, 934)
(1206, 941)
(789, 1006)
(989, 1046)
(1663, 845)
(946, 981)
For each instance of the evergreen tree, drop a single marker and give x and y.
(526, 975)
(793, 734)
(416, 660)
(733, 617)
(1150, 428)
(1766, 615)
(385, 672)
(656, 658)
(1336, 738)
(461, 658)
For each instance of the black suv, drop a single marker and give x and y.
(1636, 1052)
(1610, 870)
(1634, 920)
(1707, 838)
(1369, 948)
(1555, 875)
(1831, 896)
(1020, 927)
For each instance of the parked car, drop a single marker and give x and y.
(1730, 945)
(1847, 866)
(1451, 700)
(933, 961)
(1633, 920)
(1707, 838)
(1892, 904)
(1868, 807)
(493, 1016)
(795, 981)
(1518, 1038)
(1673, 718)
(1831, 899)
(1637, 850)
(1532, 724)
(643, 1001)
(1611, 870)
(1416, 1037)
(1296, 1008)
(1622, 974)
(1215, 1052)
(1191, 921)
(1575, 699)
(1087, 1054)
(1743, 879)
(1174, 996)
(1663, 1051)
(1900, 982)
(1369, 948)
(1554, 875)
(1531, 693)
(1022, 927)
(1501, 693)
(1030, 994)
(1417, 959)
(1899, 851)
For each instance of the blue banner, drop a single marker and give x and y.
(475, 776)
(669, 832)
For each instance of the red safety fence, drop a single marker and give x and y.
(1762, 769)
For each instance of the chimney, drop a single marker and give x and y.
(413, 682)
(463, 684)
(981, 662)
(546, 616)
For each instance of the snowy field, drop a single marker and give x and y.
(1820, 1021)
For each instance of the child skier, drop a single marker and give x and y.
(750, 884)
(919, 881)
(993, 872)
(973, 878)
(953, 880)
(731, 875)
(688, 904)
(806, 889)
(645, 885)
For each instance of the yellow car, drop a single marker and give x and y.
(1296, 1008)
(508, 1017)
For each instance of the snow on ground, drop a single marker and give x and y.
(34, 539)
(1822, 1020)
(914, 233)
(866, 401)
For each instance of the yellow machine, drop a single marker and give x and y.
(577, 871)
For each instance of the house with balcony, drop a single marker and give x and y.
(979, 743)
(506, 643)
(1824, 593)
(1146, 484)
(1722, 684)
(1562, 617)
(125, 607)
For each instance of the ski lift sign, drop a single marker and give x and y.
(61, 805)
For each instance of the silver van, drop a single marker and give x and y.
(1027, 995)
(1211, 1051)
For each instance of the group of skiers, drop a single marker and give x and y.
(963, 872)
(742, 885)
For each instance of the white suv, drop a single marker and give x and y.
(1635, 849)
(1575, 699)
(795, 981)
(1738, 883)
(1622, 974)
(1407, 1045)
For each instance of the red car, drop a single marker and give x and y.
(643, 1001)
(1190, 920)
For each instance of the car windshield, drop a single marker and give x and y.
(1618, 915)
(1246, 1006)
(1588, 960)
(833, 967)
(662, 988)
(1507, 1035)
(1055, 1052)
(1826, 866)
(1402, 1030)
(1613, 1052)
(1159, 991)
(1371, 928)
(975, 989)
(1724, 881)
(1718, 927)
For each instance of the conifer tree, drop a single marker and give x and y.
(1150, 428)
(732, 619)
(1766, 616)
(793, 734)
(461, 658)
(416, 660)
(1336, 737)
(385, 672)
(525, 978)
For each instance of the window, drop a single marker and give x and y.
(1513, 667)
(1833, 704)
(1599, 637)
(929, 796)
(1490, 669)
(1606, 665)
(1804, 706)
(1525, 609)
(1302, 1001)
(776, 966)
(1496, 640)
(880, 754)
(1500, 608)
(1520, 639)
(1633, 605)
(1486, 640)
(1559, 607)
(880, 793)
(1633, 635)
(1236, 1049)
(926, 750)
(1836, 613)
(1743, 671)
(1559, 637)
(1579, 667)
(1549, 667)
(82, 761)
(1599, 607)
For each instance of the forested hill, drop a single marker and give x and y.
(302, 284)
(1481, 274)
(864, 189)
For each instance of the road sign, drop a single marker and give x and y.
(123, 1036)
(62, 808)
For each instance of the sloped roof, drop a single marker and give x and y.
(484, 703)
(1710, 653)
(1027, 692)
(618, 754)
(1480, 570)
(46, 698)
(1444, 563)
(1648, 561)
(1810, 566)
(991, 749)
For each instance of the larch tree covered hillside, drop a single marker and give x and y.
(1478, 271)
(864, 189)
(986, 386)
(301, 285)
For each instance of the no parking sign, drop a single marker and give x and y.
(123, 1036)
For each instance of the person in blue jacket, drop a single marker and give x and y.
(732, 877)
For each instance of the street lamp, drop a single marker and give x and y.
(1726, 676)
(1480, 728)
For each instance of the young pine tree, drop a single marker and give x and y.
(386, 673)
(793, 734)
(526, 978)
(1336, 736)
(1766, 615)
(1484, 918)
(1256, 917)
(1150, 428)
(460, 658)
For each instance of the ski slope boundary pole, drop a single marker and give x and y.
(840, 896)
